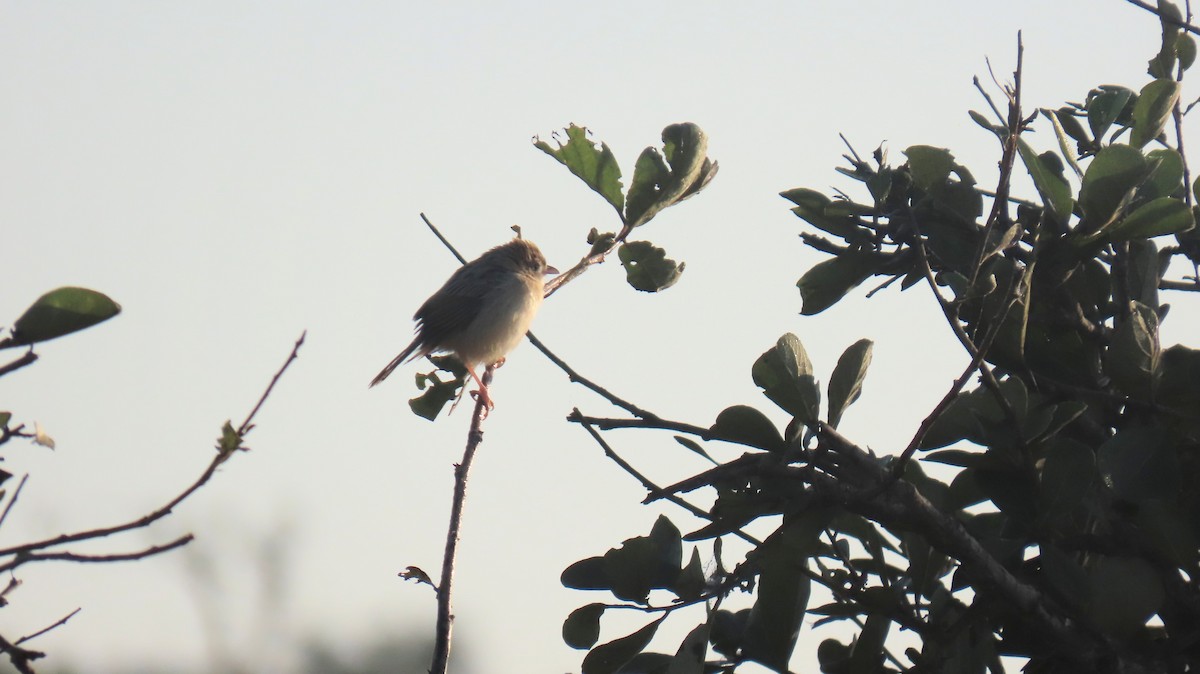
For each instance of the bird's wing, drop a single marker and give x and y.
(451, 309)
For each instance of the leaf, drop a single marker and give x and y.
(610, 657)
(815, 209)
(746, 425)
(930, 166)
(1140, 463)
(1068, 474)
(1153, 109)
(845, 384)
(690, 583)
(1125, 592)
(581, 629)
(866, 655)
(694, 446)
(1170, 18)
(1166, 174)
(1105, 107)
(778, 612)
(689, 659)
(1133, 353)
(229, 441)
(785, 374)
(437, 393)
(663, 179)
(5, 417)
(647, 267)
(593, 164)
(827, 282)
(61, 312)
(1108, 184)
(1165, 215)
(1051, 186)
(586, 574)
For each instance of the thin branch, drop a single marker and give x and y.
(27, 557)
(20, 657)
(28, 359)
(445, 242)
(13, 501)
(1171, 20)
(445, 615)
(61, 621)
(577, 378)
(165, 510)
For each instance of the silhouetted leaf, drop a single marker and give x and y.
(610, 657)
(1108, 184)
(1053, 188)
(581, 629)
(1125, 592)
(663, 179)
(742, 423)
(930, 166)
(1140, 463)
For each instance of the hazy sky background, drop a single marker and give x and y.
(236, 172)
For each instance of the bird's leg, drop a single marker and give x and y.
(482, 393)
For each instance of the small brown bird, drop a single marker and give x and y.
(482, 311)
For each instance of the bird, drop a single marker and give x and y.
(482, 311)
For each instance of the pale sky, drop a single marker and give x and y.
(236, 172)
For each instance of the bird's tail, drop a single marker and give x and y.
(396, 362)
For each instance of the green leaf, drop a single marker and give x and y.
(1166, 174)
(689, 659)
(61, 312)
(1105, 107)
(230, 441)
(845, 384)
(827, 282)
(593, 164)
(815, 209)
(647, 267)
(1165, 215)
(1185, 48)
(1164, 62)
(581, 629)
(1109, 183)
(644, 563)
(1140, 463)
(785, 374)
(1153, 109)
(1133, 353)
(746, 425)
(1051, 186)
(930, 166)
(663, 179)
(610, 657)
(437, 394)
(1179, 370)
(1125, 592)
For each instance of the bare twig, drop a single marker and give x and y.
(577, 378)
(13, 501)
(61, 621)
(445, 615)
(28, 359)
(23, 550)
(19, 657)
(24, 558)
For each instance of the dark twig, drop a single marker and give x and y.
(27, 557)
(146, 520)
(13, 501)
(577, 378)
(61, 621)
(445, 615)
(28, 359)
(1173, 21)
(19, 657)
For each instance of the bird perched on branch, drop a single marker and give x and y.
(482, 311)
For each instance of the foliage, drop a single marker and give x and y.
(1066, 532)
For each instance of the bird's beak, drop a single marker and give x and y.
(550, 270)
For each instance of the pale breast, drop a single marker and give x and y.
(505, 316)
